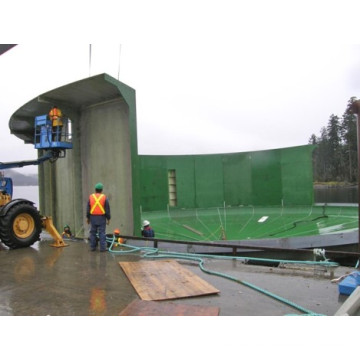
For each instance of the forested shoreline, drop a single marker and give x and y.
(335, 159)
(21, 179)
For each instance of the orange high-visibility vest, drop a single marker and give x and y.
(55, 115)
(97, 204)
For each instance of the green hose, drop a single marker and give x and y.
(156, 253)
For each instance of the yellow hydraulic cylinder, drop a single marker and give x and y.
(48, 225)
(4, 199)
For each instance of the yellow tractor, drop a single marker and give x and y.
(20, 221)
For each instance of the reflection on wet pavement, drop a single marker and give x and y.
(43, 280)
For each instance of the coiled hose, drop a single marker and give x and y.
(150, 252)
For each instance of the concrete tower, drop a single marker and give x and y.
(102, 111)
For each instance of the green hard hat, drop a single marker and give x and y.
(99, 186)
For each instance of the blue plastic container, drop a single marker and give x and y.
(349, 284)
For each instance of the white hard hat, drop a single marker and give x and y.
(146, 223)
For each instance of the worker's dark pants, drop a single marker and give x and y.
(98, 226)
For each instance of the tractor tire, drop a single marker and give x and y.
(20, 226)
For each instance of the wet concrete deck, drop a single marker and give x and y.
(72, 281)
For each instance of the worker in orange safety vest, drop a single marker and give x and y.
(55, 115)
(98, 215)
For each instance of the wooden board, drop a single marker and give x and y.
(165, 279)
(155, 308)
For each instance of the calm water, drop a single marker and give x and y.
(336, 195)
(27, 192)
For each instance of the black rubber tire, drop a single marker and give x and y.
(21, 226)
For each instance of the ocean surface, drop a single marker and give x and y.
(347, 195)
(27, 192)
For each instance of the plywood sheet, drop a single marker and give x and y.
(155, 308)
(165, 279)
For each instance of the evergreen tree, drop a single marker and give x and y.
(323, 159)
(348, 130)
(335, 162)
(335, 156)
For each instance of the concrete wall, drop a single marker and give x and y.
(104, 150)
(105, 145)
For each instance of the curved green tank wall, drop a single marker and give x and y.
(103, 114)
(271, 177)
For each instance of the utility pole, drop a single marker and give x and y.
(355, 109)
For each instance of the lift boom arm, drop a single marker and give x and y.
(50, 155)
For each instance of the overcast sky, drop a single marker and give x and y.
(210, 77)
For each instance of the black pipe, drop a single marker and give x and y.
(236, 246)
